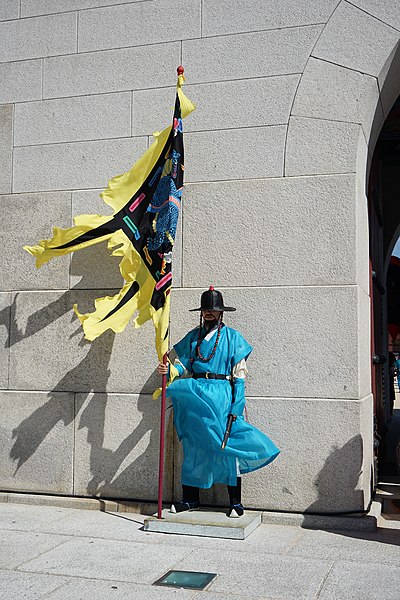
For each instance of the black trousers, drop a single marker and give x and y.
(191, 494)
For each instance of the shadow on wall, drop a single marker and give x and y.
(104, 463)
(139, 478)
(344, 467)
(32, 431)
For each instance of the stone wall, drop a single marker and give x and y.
(291, 96)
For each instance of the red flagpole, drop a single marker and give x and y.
(162, 427)
(180, 71)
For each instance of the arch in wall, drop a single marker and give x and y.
(345, 93)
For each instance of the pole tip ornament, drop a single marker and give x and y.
(181, 78)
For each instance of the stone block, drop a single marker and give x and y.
(231, 57)
(129, 24)
(94, 268)
(9, 10)
(6, 143)
(35, 214)
(388, 80)
(329, 91)
(364, 357)
(219, 105)
(388, 13)
(126, 560)
(21, 81)
(74, 165)
(273, 576)
(5, 326)
(313, 223)
(223, 17)
(111, 70)
(30, 8)
(73, 119)
(37, 37)
(118, 457)
(88, 202)
(357, 522)
(354, 39)
(324, 465)
(66, 362)
(249, 153)
(351, 580)
(313, 329)
(37, 441)
(316, 146)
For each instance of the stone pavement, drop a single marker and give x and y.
(66, 553)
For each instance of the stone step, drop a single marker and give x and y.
(388, 490)
(206, 522)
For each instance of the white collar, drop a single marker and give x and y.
(211, 333)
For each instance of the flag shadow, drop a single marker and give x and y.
(69, 400)
(130, 470)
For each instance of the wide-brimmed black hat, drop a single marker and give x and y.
(212, 300)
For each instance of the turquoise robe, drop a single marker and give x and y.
(201, 409)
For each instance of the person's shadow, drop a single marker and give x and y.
(343, 466)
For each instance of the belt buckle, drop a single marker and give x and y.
(207, 374)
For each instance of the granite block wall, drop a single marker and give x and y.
(291, 96)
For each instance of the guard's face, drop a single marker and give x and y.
(211, 315)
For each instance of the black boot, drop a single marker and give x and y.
(235, 499)
(190, 499)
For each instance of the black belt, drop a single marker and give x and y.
(210, 376)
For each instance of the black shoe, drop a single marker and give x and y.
(236, 511)
(179, 507)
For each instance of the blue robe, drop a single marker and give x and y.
(201, 409)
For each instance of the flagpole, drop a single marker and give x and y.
(162, 427)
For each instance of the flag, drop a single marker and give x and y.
(146, 202)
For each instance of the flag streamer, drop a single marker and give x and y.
(146, 202)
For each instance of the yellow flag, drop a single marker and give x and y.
(146, 202)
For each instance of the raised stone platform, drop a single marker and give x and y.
(205, 522)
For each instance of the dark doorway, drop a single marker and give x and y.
(384, 229)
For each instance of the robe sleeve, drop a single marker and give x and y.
(241, 349)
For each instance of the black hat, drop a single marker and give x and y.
(212, 300)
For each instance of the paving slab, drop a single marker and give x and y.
(283, 577)
(107, 560)
(204, 522)
(15, 585)
(30, 518)
(23, 546)
(361, 582)
(357, 547)
(266, 539)
(115, 590)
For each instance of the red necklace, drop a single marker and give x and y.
(200, 339)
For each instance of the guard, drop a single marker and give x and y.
(218, 444)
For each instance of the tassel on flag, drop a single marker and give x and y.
(146, 202)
